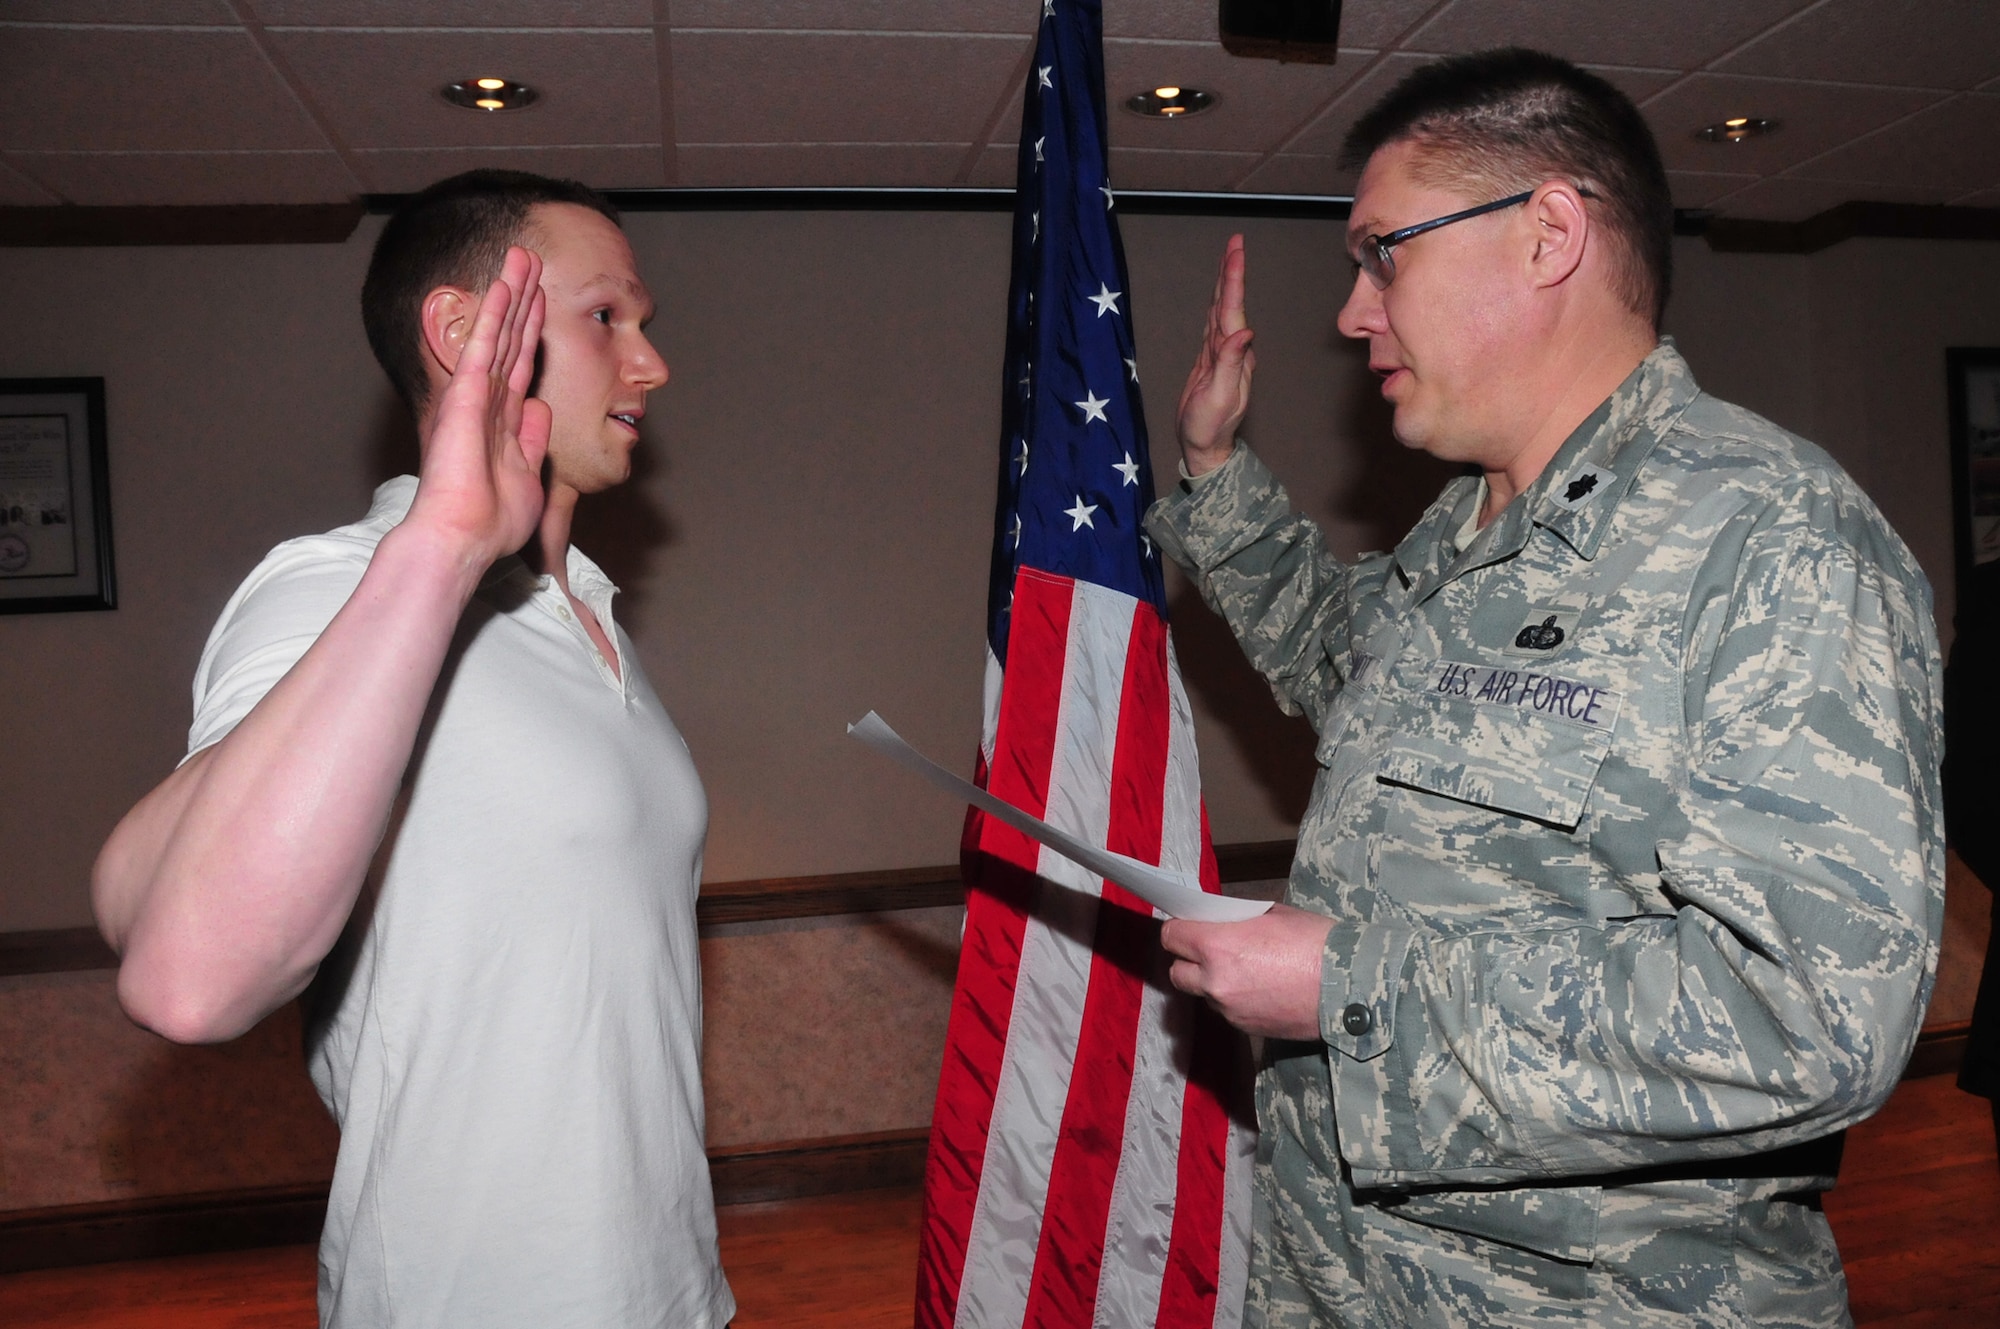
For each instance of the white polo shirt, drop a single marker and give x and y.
(510, 1032)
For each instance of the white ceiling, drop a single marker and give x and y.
(127, 102)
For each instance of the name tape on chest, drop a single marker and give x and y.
(1530, 691)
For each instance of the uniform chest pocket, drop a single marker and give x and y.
(1525, 744)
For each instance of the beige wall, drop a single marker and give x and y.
(806, 538)
(808, 533)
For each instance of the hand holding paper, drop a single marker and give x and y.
(1170, 892)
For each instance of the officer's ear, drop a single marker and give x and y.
(1562, 232)
(446, 319)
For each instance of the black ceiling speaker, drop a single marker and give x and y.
(1306, 31)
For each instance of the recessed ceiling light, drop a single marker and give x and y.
(1168, 101)
(1736, 129)
(488, 94)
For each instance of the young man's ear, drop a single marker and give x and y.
(447, 318)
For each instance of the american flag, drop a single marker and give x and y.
(1090, 1150)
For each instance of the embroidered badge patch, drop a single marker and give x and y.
(1543, 630)
(1528, 691)
(1580, 486)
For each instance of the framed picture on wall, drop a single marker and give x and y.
(55, 499)
(1973, 375)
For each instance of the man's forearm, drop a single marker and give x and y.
(225, 887)
(1264, 569)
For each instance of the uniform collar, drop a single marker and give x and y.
(1583, 484)
(1576, 493)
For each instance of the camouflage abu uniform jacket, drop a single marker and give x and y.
(1628, 817)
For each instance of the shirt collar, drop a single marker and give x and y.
(392, 503)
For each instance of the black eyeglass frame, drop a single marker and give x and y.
(1383, 270)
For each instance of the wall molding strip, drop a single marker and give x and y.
(69, 225)
(232, 224)
(54, 951)
(64, 950)
(1852, 221)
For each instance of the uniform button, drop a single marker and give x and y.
(1357, 1019)
(562, 611)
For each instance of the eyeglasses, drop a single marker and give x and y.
(1380, 265)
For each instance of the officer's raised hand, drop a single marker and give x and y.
(1218, 387)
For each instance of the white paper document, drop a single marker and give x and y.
(1171, 892)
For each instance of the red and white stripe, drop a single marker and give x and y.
(1090, 1152)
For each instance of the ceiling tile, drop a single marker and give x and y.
(1948, 149)
(1912, 43)
(187, 179)
(1814, 118)
(1322, 138)
(404, 171)
(1145, 168)
(1786, 198)
(1006, 16)
(200, 13)
(1258, 104)
(1188, 20)
(1684, 35)
(784, 87)
(1379, 23)
(1638, 84)
(1297, 174)
(380, 89)
(833, 165)
(1699, 189)
(77, 89)
(455, 13)
(18, 191)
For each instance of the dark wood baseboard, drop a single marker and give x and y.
(741, 1174)
(1940, 1050)
(753, 1174)
(166, 1225)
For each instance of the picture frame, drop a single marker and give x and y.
(55, 497)
(1972, 375)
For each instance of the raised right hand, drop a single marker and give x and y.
(481, 480)
(1218, 388)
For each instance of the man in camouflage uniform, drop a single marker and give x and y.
(1618, 895)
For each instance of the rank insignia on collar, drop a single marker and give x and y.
(1581, 486)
